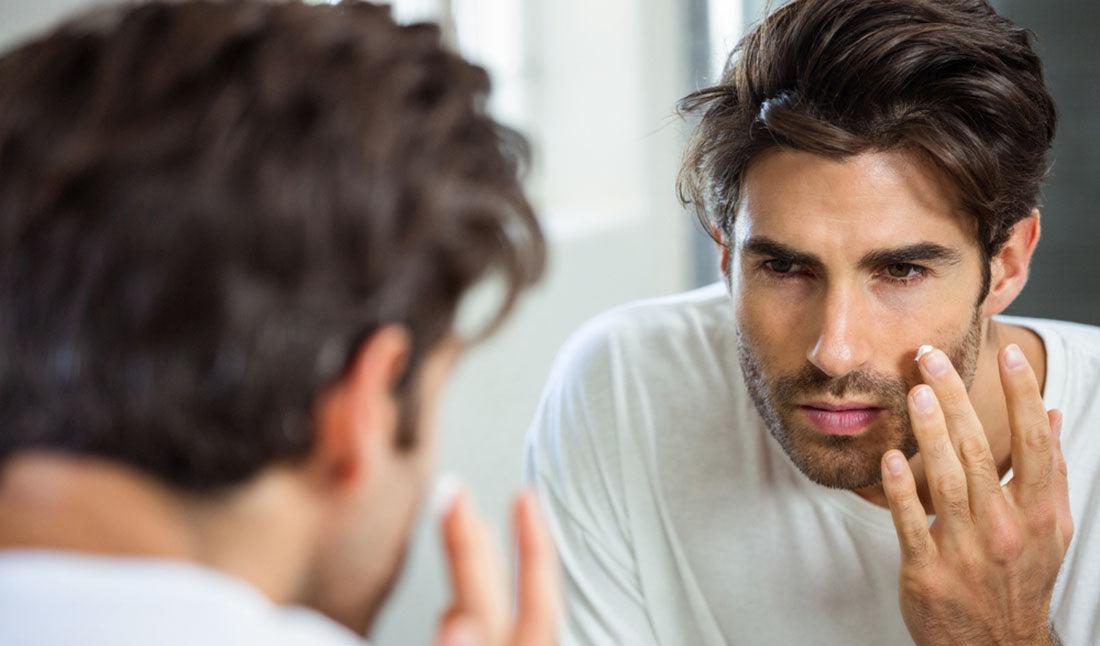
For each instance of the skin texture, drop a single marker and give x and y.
(330, 532)
(822, 317)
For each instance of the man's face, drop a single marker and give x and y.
(840, 271)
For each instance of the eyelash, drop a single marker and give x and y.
(916, 272)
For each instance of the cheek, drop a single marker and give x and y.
(773, 326)
(938, 326)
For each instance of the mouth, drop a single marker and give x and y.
(846, 418)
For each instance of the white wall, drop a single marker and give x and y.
(22, 18)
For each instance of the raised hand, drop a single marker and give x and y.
(480, 612)
(984, 572)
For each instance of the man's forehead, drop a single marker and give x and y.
(854, 205)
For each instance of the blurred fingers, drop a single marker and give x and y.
(539, 587)
(475, 567)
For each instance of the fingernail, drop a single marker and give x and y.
(1058, 425)
(924, 399)
(1014, 358)
(895, 463)
(445, 493)
(936, 363)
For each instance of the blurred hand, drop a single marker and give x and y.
(480, 613)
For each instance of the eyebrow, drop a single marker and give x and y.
(927, 252)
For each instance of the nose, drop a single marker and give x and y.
(843, 343)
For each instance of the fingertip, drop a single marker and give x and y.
(922, 398)
(448, 494)
(1055, 417)
(894, 463)
(1013, 357)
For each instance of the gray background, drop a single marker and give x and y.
(1064, 282)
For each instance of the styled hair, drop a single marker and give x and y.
(949, 80)
(207, 207)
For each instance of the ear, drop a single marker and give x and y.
(1009, 268)
(356, 418)
(723, 251)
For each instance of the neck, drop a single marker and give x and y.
(259, 532)
(989, 403)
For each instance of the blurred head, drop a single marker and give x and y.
(234, 234)
(871, 170)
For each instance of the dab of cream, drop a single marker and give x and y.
(447, 487)
(923, 350)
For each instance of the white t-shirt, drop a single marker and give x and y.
(63, 598)
(679, 520)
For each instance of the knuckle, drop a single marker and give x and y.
(1041, 518)
(914, 536)
(1042, 474)
(1037, 436)
(940, 448)
(901, 499)
(969, 561)
(958, 509)
(922, 584)
(951, 487)
(1004, 541)
(972, 452)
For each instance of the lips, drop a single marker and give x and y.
(850, 418)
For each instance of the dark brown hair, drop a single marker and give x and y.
(950, 80)
(206, 207)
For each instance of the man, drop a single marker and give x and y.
(233, 238)
(782, 471)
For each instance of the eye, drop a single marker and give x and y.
(902, 270)
(782, 266)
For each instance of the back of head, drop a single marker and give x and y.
(206, 207)
(949, 80)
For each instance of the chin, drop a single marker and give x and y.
(842, 461)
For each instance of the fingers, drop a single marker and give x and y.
(910, 521)
(1061, 479)
(476, 569)
(480, 612)
(539, 588)
(1032, 440)
(946, 479)
(968, 440)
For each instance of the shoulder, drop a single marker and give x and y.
(1076, 334)
(647, 333)
(1074, 347)
(632, 371)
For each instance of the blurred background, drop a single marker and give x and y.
(594, 85)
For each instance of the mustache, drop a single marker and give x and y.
(811, 380)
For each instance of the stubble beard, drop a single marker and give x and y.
(843, 461)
